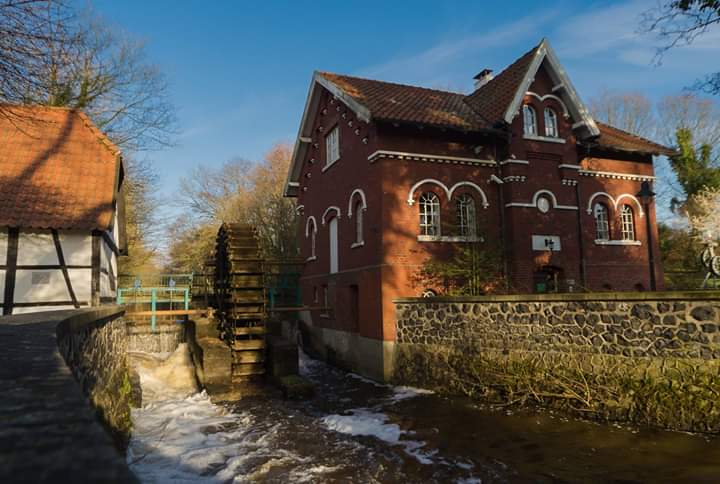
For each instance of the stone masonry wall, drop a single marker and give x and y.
(96, 352)
(663, 327)
(648, 358)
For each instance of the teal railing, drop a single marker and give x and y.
(155, 296)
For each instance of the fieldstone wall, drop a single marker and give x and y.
(96, 352)
(684, 329)
(649, 358)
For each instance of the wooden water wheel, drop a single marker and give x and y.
(240, 296)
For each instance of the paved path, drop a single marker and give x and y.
(48, 430)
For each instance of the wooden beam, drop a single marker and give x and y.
(169, 312)
(10, 273)
(63, 267)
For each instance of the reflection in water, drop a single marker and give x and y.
(357, 430)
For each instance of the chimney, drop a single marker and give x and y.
(483, 78)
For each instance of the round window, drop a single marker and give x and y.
(429, 293)
(543, 204)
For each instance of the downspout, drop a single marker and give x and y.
(501, 212)
(581, 248)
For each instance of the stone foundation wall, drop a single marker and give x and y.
(166, 337)
(95, 349)
(652, 358)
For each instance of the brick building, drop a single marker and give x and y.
(388, 175)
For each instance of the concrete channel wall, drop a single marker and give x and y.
(66, 396)
(652, 358)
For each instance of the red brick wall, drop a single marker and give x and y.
(386, 266)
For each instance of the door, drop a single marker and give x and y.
(333, 245)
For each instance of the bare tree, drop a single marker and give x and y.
(240, 191)
(681, 22)
(630, 111)
(28, 31)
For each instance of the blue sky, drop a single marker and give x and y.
(239, 71)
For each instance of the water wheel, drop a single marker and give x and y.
(240, 296)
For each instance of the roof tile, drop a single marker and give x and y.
(57, 170)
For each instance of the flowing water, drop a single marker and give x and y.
(355, 430)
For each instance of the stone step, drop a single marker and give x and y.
(245, 369)
(248, 344)
(245, 330)
(248, 356)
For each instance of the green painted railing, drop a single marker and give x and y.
(154, 295)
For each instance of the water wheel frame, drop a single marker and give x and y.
(240, 298)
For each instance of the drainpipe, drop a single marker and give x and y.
(581, 248)
(501, 212)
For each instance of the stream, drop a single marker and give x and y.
(355, 430)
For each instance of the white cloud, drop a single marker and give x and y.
(424, 67)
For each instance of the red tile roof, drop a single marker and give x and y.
(483, 109)
(492, 99)
(57, 170)
(398, 102)
(612, 137)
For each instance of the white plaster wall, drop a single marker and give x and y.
(37, 309)
(2, 285)
(77, 248)
(36, 248)
(3, 245)
(26, 291)
(81, 280)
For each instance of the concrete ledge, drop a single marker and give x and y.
(48, 430)
(575, 296)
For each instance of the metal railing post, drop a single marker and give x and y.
(153, 304)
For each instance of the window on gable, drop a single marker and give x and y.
(551, 123)
(465, 206)
(529, 120)
(602, 223)
(332, 146)
(628, 223)
(429, 214)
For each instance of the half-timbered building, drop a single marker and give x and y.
(388, 175)
(61, 210)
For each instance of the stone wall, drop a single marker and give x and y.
(629, 327)
(95, 349)
(647, 357)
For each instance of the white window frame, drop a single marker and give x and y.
(602, 221)
(551, 123)
(359, 240)
(312, 233)
(627, 219)
(466, 215)
(429, 206)
(332, 147)
(529, 120)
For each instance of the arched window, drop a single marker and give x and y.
(551, 124)
(466, 215)
(602, 223)
(333, 232)
(429, 214)
(628, 223)
(359, 222)
(529, 120)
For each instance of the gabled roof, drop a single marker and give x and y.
(500, 98)
(57, 170)
(489, 107)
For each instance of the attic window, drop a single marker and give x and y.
(529, 120)
(332, 146)
(551, 124)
